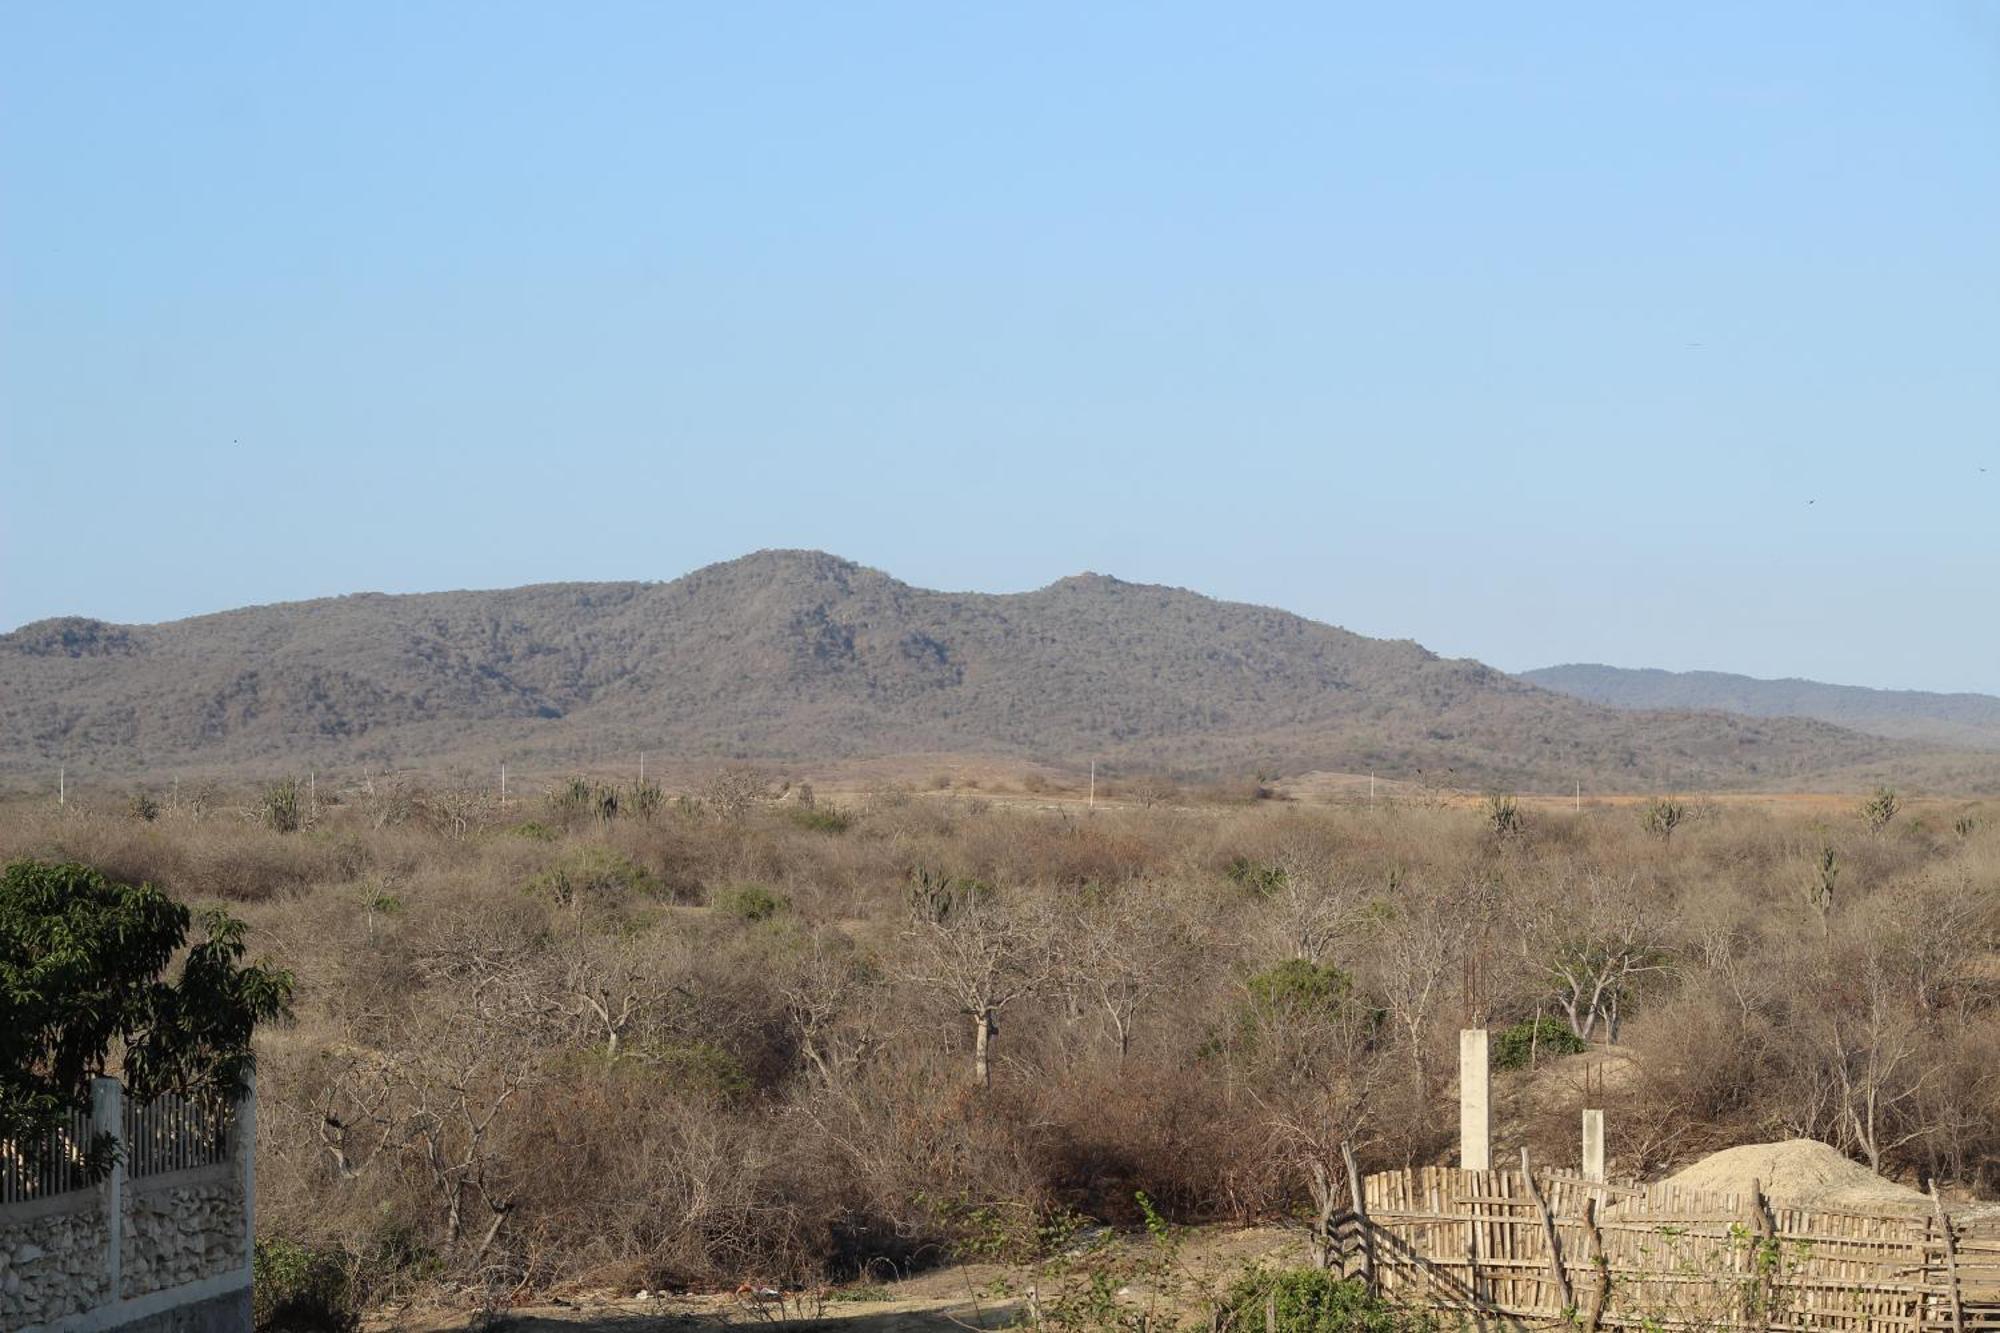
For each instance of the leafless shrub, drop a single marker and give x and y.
(531, 1052)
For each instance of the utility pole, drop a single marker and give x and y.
(1579, 795)
(1093, 784)
(62, 784)
(1371, 789)
(642, 768)
(503, 784)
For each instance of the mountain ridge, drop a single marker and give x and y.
(1960, 718)
(800, 654)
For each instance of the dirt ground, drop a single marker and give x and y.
(944, 1300)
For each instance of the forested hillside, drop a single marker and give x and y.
(788, 654)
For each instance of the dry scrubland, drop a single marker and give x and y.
(728, 1037)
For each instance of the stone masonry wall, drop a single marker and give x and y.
(53, 1266)
(180, 1233)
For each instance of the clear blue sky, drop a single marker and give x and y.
(1528, 331)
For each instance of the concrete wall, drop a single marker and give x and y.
(52, 1259)
(167, 1253)
(180, 1229)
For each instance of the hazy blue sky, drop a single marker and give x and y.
(1656, 335)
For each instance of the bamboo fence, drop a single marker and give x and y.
(1517, 1248)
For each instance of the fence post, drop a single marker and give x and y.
(1950, 1242)
(1475, 1116)
(1593, 1146)
(1763, 1256)
(1551, 1236)
(1600, 1261)
(1358, 1197)
(107, 1116)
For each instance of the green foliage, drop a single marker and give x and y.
(302, 1290)
(697, 1067)
(1503, 815)
(1083, 1281)
(143, 807)
(592, 873)
(1665, 814)
(937, 897)
(1259, 878)
(81, 960)
(535, 832)
(749, 902)
(1311, 1300)
(1534, 1037)
(1879, 809)
(646, 799)
(821, 818)
(577, 798)
(572, 797)
(1298, 988)
(282, 807)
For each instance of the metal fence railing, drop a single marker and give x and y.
(54, 1166)
(172, 1133)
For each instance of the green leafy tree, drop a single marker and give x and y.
(1298, 988)
(83, 964)
(1517, 1047)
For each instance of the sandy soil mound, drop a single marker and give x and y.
(1799, 1173)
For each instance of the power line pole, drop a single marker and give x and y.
(642, 768)
(1579, 795)
(1093, 784)
(503, 784)
(62, 784)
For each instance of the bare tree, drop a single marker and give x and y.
(1117, 954)
(830, 999)
(730, 793)
(980, 955)
(1590, 945)
(614, 987)
(1869, 1064)
(1420, 948)
(1312, 906)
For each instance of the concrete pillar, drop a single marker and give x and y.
(1593, 1145)
(107, 1116)
(243, 1143)
(1475, 1102)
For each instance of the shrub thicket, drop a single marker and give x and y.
(721, 1043)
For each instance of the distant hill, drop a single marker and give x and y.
(1966, 720)
(799, 655)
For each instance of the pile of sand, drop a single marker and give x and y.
(1799, 1173)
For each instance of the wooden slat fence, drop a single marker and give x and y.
(1632, 1257)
